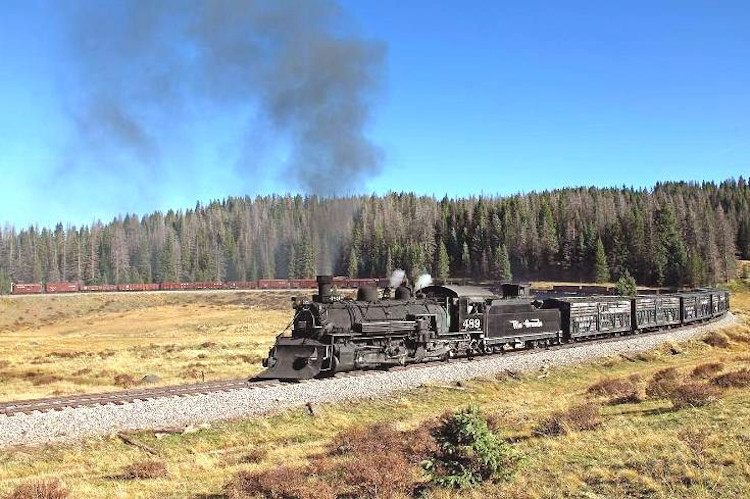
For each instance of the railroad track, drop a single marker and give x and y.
(127, 396)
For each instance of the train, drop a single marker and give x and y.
(74, 287)
(394, 327)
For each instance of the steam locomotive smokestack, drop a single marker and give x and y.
(324, 289)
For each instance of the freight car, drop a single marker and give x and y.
(397, 327)
(26, 289)
(61, 287)
(72, 287)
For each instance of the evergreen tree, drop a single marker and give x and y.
(353, 263)
(442, 262)
(501, 265)
(626, 285)
(465, 259)
(5, 282)
(601, 269)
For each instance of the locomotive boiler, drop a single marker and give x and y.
(399, 327)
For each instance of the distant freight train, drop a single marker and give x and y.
(73, 287)
(397, 327)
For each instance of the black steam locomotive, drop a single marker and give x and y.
(331, 335)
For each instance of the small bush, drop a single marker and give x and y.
(145, 470)
(734, 379)
(626, 398)
(376, 438)
(255, 455)
(662, 383)
(375, 475)
(470, 453)
(37, 378)
(707, 370)
(611, 387)
(278, 483)
(577, 418)
(125, 380)
(692, 394)
(715, 339)
(41, 489)
(417, 445)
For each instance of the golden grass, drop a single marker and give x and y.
(642, 449)
(65, 344)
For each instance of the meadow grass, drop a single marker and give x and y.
(645, 448)
(52, 345)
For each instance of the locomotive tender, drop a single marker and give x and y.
(331, 335)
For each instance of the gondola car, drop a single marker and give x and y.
(695, 306)
(655, 311)
(592, 316)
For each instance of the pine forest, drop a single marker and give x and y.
(673, 234)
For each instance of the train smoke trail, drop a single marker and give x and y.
(397, 277)
(423, 280)
(144, 71)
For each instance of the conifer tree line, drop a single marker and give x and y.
(676, 233)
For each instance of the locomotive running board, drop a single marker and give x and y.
(295, 359)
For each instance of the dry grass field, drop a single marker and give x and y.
(630, 441)
(51, 345)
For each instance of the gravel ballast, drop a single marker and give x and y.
(72, 424)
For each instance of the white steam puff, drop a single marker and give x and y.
(423, 281)
(397, 278)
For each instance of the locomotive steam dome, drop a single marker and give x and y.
(367, 293)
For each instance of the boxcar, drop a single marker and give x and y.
(241, 285)
(61, 287)
(695, 306)
(26, 289)
(273, 284)
(302, 283)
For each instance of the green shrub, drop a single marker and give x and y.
(470, 453)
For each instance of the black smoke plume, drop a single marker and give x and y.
(145, 70)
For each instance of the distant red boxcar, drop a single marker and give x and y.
(241, 284)
(137, 287)
(209, 285)
(340, 282)
(98, 288)
(303, 283)
(61, 287)
(273, 284)
(26, 289)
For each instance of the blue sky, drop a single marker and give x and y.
(477, 97)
